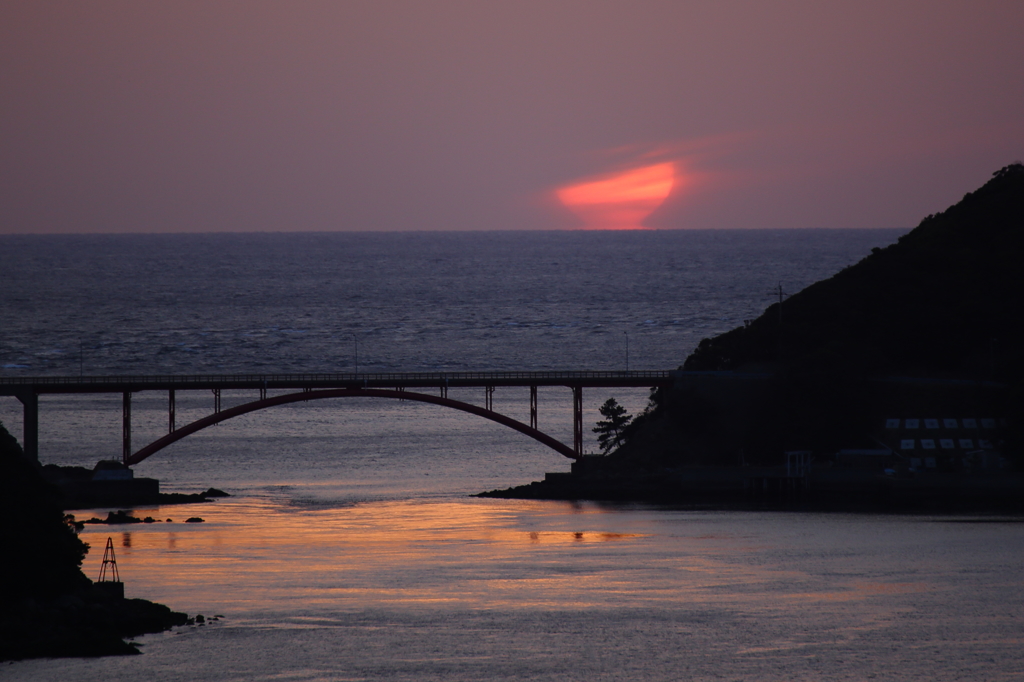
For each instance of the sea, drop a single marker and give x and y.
(351, 547)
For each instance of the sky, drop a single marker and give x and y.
(501, 115)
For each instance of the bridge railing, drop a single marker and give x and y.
(401, 377)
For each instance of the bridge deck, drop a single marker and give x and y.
(117, 384)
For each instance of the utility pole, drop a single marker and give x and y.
(781, 295)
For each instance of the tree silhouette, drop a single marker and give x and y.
(610, 428)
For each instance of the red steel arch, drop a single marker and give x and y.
(200, 424)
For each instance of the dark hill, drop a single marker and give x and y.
(945, 300)
(44, 553)
(942, 307)
(48, 607)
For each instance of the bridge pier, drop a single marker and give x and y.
(216, 400)
(577, 420)
(489, 398)
(170, 411)
(30, 424)
(126, 427)
(533, 407)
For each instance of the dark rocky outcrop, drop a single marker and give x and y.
(928, 326)
(48, 607)
(43, 553)
(80, 489)
(929, 305)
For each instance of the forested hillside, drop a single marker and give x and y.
(943, 304)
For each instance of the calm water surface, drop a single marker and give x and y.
(482, 589)
(350, 549)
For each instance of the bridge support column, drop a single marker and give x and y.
(533, 407)
(216, 400)
(170, 411)
(126, 427)
(30, 425)
(577, 420)
(489, 398)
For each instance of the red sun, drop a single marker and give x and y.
(621, 201)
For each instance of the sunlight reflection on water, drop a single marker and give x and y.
(462, 588)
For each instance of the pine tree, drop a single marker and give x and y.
(610, 428)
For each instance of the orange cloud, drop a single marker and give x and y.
(621, 201)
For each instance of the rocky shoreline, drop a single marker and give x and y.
(87, 623)
(48, 607)
(81, 490)
(768, 488)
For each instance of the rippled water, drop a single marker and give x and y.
(127, 304)
(470, 589)
(350, 548)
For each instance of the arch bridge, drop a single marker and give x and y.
(423, 387)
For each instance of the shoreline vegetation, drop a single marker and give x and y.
(48, 607)
(897, 384)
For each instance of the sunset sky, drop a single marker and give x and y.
(528, 114)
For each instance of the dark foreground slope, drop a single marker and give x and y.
(945, 300)
(931, 324)
(927, 327)
(48, 607)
